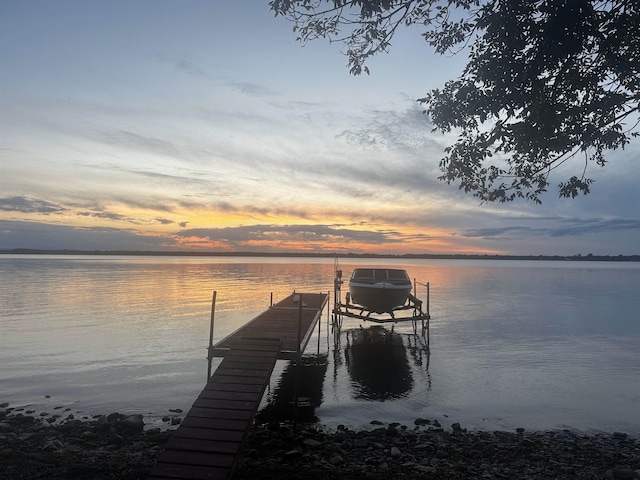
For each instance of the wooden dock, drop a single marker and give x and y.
(209, 440)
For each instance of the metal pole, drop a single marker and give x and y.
(428, 317)
(298, 366)
(428, 294)
(210, 350)
(319, 325)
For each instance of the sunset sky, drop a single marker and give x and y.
(204, 125)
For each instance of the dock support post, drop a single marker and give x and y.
(298, 367)
(210, 349)
(428, 317)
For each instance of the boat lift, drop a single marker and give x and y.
(414, 309)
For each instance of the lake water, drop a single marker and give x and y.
(533, 344)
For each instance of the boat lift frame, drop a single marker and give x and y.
(414, 309)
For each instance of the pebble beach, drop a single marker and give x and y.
(118, 446)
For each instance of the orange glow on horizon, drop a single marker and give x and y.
(387, 238)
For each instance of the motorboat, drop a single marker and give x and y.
(379, 290)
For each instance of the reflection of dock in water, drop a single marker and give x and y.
(303, 386)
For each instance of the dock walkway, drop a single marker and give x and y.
(209, 440)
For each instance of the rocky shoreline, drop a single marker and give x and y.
(118, 446)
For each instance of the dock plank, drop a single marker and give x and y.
(209, 434)
(226, 404)
(214, 423)
(226, 395)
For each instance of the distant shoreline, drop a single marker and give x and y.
(408, 256)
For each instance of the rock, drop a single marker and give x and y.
(115, 417)
(23, 419)
(428, 470)
(527, 443)
(336, 459)
(116, 439)
(395, 452)
(310, 442)
(422, 421)
(376, 422)
(176, 421)
(361, 443)
(292, 453)
(621, 473)
(54, 444)
(274, 426)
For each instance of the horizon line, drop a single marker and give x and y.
(475, 256)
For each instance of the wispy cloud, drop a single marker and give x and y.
(393, 129)
(29, 205)
(253, 89)
(107, 215)
(317, 233)
(558, 228)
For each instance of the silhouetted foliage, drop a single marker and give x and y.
(546, 81)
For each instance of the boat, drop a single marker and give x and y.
(379, 290)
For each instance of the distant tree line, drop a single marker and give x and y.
(441, 256)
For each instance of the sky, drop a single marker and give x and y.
(205, 126)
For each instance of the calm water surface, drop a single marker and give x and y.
(539, 345)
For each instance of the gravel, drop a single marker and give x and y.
(118, 446)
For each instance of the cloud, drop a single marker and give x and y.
(138, 141)
(187, 66)
(559, 228)
(29, 205)
(34, 235)
(306, 233)
(394, 129)
(106, 215)
(253, 89)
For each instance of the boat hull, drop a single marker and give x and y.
(379, 290)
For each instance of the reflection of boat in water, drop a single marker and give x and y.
(377, 362)
(379, 290)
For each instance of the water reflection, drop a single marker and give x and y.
(377, 362)
(281, 402)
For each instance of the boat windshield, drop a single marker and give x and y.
(379, 274)
(398, 274)
(363, 274)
